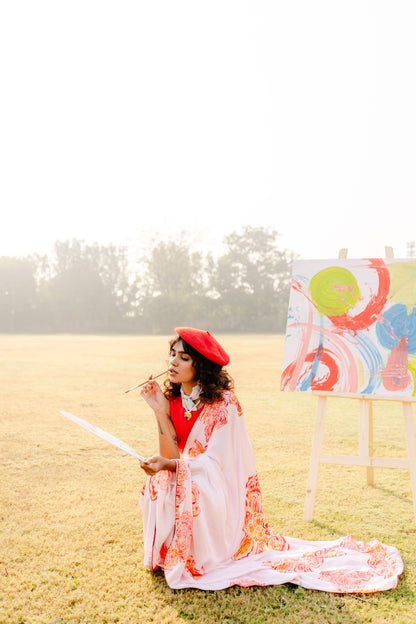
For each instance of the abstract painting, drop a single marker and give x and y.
(351, 327)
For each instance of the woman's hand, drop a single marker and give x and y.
(154, 397)
(152, 465)
(168, 441)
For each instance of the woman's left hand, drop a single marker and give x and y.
(152, 465)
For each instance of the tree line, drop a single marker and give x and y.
(91, 288)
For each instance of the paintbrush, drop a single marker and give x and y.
(145, 382)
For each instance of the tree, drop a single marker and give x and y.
(88, 287)
(174, 287)
(252, 281)
(91, 288)
(18, 295)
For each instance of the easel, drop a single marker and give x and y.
(365, 439)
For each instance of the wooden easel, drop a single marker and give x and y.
(365, 439)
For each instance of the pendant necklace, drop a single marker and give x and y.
(191, 402)
(188, 413)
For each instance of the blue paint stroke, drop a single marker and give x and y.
(372, 359)
(396, 323)
(411, 330)
(307, 381)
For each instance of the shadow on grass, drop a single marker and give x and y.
(260, 605)
(329, 529)
(403, 499)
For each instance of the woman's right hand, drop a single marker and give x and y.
(168, 441)
(154, 397)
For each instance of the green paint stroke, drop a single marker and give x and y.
(334, 291)
(412, 370)
(403, 283)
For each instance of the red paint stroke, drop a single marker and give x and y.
(339, 348)
(396, 375)
(326, 381)
(375, 305)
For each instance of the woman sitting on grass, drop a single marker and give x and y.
(203, 516)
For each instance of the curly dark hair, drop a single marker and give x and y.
(212, 377)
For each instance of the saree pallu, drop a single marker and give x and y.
(205, 525)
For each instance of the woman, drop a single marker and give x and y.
(203, 516)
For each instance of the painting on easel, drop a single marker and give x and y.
(351, 327)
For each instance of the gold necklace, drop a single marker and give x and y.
(188, 413)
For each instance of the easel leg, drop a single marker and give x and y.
(314, 464)
(411, 448)
(370, 469)
(365, 440)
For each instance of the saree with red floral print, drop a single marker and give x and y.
(205, 525)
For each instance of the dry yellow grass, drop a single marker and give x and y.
(70, 528)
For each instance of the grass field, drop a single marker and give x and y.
(70, 528)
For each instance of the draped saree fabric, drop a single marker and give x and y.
(205, 525)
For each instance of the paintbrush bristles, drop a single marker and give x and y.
(144, 382)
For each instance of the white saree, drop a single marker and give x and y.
(205, 526)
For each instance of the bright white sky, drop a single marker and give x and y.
(121, 121)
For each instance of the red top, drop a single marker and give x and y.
(182, 425)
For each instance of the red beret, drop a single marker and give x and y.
(204, 343)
